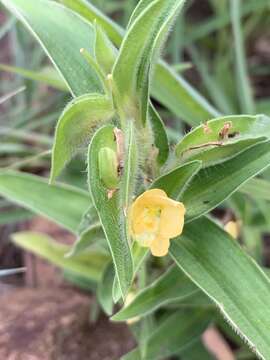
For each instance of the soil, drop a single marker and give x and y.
(50, 324)
(43, 318)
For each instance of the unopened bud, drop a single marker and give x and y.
(108, 167)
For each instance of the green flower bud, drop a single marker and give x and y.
(108, 167)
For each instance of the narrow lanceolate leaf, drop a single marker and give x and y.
(104, 292)
(62, 34)
(91, 13)
(139, 254)
(241, 69)
(110, 210)
(258, 188)
(90, 236)
(88, 219)
(47, 75)
(132, 70)
(75, 126)
(196, 351)
(176, 94)
(217, 154)
(34, 193)
(175, 332)
(89, 265)
(241, 290)
(175, 182)
(224, 132)
(141, 6)
(214, 184)
(105, 51)
(132, 355)
(160, 136)
(11, 216)
(171, 286)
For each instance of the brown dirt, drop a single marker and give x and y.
(50, 321)
(54, 325)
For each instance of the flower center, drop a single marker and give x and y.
(151, 219)
(149, 224)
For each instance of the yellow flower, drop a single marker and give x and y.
(155, 219)
(233, 228)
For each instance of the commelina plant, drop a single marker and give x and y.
(143, 232)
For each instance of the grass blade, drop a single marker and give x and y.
(34, 193)
(244, 86)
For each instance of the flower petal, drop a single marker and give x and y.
(160, 246)
(150, 197)
(172, 220)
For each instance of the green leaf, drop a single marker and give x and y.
(104, 292)
(218, 154)
(105, 51)
(258, 188)
(221, 132)
(176, 94)
(62, 34)
(132, 355)
(196, 351)
(172, 285)
(11, 216)
(88, 237)
(46, 75)
(214, 184)
(160, 135)
(110, 210)
(177, 180)
(91, 13)
(75, 126)
(34, 193)
(241, 72)
(139, 254)
(88, 219)
(141, 6)
(175, 332)
(138, 51)
(89, 265)
(79, 281)
(240, 289)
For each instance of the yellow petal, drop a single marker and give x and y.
(160, 246)
(172, 220)
(150, 197)
(144, 239)
(232, 228)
